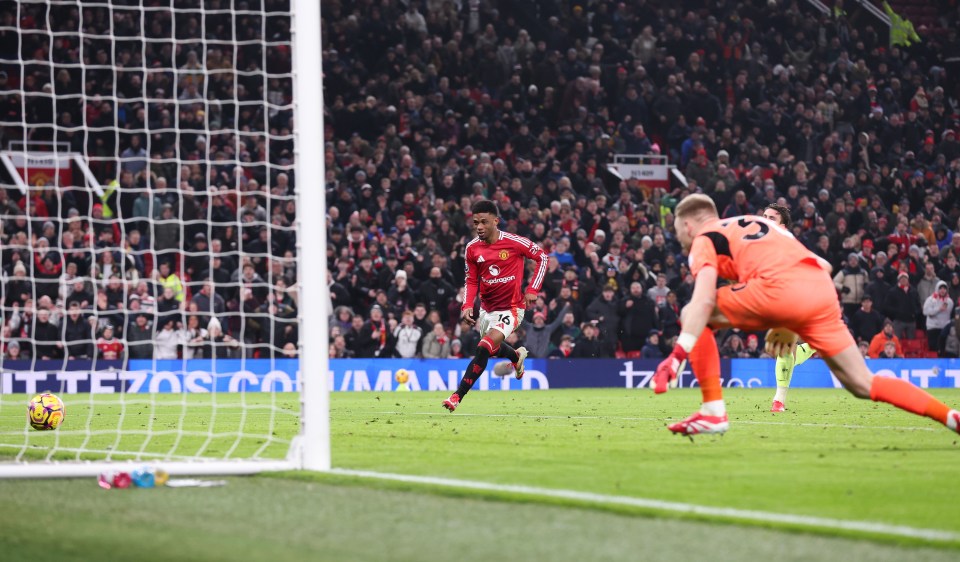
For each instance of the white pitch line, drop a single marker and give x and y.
(746, 422)
(840, 425)
(676, 507)
(99, 451)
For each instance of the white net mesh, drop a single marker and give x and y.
(148, 228)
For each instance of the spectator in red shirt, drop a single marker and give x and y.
(38, 207)
(108, 347)
(564, 350)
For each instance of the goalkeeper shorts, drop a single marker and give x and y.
(803, 299)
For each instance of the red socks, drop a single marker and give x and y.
(705, 361)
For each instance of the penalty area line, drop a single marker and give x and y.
(807, 521)
(744, 422)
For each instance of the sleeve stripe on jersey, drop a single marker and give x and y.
(466, 267)
(541, 271)
(467, 247)
(720, 243)
(518, 239)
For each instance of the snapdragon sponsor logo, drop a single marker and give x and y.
(499, 280)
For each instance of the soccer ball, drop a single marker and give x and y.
(402, 376)
(45, 411)
(780, 342)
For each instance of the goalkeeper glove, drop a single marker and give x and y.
(669, 369)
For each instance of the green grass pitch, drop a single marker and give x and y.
(829, 455)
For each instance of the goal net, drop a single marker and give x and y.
(154, 247)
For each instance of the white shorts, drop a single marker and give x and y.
(504, 321)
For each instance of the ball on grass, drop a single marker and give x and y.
(45, 411)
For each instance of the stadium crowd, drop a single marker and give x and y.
(189, 252)
(432, 105)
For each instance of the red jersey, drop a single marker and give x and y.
(497, 270)
(110, 349)
(748, 247)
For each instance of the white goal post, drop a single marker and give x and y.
(314, 444)
(196, 399)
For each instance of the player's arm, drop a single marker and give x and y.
(535, 253)
(470, 287)
(695, 317)
(704, 264)
(698, 311)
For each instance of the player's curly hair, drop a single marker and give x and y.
(485, 206)
(784, 212)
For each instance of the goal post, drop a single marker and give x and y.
(314, 439)
(225, 103)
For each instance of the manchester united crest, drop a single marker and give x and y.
(504, 254)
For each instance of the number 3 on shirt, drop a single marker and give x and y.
(744, 222)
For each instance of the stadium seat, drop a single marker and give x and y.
(147, 264)
(910, 344)
(187, 285)
(914, 348)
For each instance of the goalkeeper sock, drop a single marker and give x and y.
(804, 352)
(508, 353)
(713, 408)
(784, 372)
(781, 394)
(908, 397)
(476, 366)
(785, 367)
(705, 361)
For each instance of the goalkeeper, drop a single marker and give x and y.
(768, 267)
(785, 365)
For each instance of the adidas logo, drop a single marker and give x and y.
(480, 259)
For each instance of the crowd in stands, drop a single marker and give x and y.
(431, 105)
(190, 251)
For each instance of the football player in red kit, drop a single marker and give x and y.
(495, 264)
